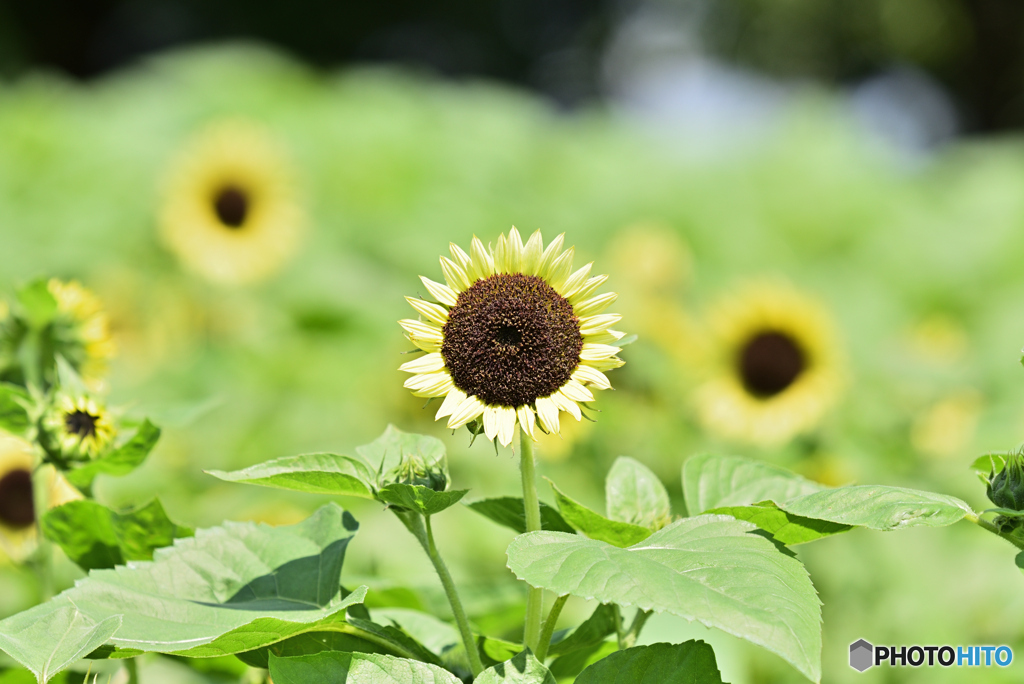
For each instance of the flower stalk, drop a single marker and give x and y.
(534, 596)
(549, 627)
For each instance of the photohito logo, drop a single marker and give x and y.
(863, 655)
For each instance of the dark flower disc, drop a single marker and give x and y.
(17, 509)
(511, 339)
(232, 206)
(80, 423)
(770, 362)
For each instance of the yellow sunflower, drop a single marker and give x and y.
(81, 329)
(78, 428)
(231, 211)
(774, 366)
(516, 336)
(17, 504)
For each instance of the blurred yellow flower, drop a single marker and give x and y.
(17, 507)
(231, 211)
(773, 368)
(80, 428)
(82, 330)
(947, 428)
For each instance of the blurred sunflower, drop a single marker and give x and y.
(231, 211)
(774, 366)
(81, 330)
(17, 504)
(77, 428)
(517, 336)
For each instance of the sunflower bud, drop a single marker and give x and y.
(1006, 488)
(75, 429)
(415, 470)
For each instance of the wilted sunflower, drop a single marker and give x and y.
(516, 337)
(17, 507)
(77, 428)
(774, 366)
(230, 208)
(81, 329)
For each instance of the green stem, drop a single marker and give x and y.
(425, 535)
(986, 525)
(634, 629)
(620, 632)
(43, 554)
(534, 595)
(549, 627)
(133, 671)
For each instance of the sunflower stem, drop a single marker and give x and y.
(425, 535)
(133, 671)
(549, 627)
(534, 596)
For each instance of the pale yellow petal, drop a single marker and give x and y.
(459, 256)
(597, 352)
(501, 255)
(450, 403)
(587, 289)
(422, 329)
(552, 252)
(527, 419)
(607, 364)
(468, 410)
(576, 392)
(441, 293)
(492, 421)
(606, 337)
(482, 265)
(430, 384)
(589, 375)
(431, 363)
(454, 275)
(506, 425)
(547, 412)
(591, 325)
(560, 269)
(430, 311)
(575, 281)
(513, 252)
(594, 305)
(566, 404)
(533, 253)
(426, 344)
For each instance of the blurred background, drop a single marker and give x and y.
(849, 172)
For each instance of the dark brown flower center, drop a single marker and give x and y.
(80, 423)
(17, 509)
(770, 362)
(232, 206)
(511, 339)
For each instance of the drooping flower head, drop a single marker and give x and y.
(81, 330)
(230, 209)
(516, 336)
(774, 367)
(77, 428)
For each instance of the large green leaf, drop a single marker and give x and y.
(692, 662)
(510, 512)
(591, 633)
(393, 448)
(879, 508)
(418, 498)
(524, 668)
(229, 589)
(574, 662)
(784, 527)
(316, 473)
(711, 481)
(13, 412)
(433, 632)
(334, 667)
(59, 637)
(595, 525)
(634, 494)
(94, 537)
(709, 568)
(120, 461)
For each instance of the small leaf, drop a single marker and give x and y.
(591, 633)
(93, 536)
(595, 525)
(37, 303)
(315, 473)
(988, 466)
(571, 664)
(691, 662)
(419, 498)
(13, 409)
(635, 495)
(333, 667)
(121, 460)
(709, 568)
(879, 508)
(522, 669)
(388, 451)
(62, 637)
(510, 512)
(785, 527)
(711, 481)
(434, 633)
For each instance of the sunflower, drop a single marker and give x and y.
(516, 336)
(774, 366)
(77, 428)
(230, 208)
(17, 504)
(81, 329)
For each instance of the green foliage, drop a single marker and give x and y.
(522, 669)
(590, 634)
(595, 525)
(879, 508)
(333, 667)
(419, 498)
(692, 662)
(37, 304)
(711, 481)
(635, 495)
(14, 403)
(394, 450)
(119, 461)
(785, 527)
(708, 568)
(96, 537)
(314, 473)
(510, 512)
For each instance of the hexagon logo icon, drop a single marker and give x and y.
(861, 655)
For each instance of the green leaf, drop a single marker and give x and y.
(709, 568)
(37, 303)
(121, 460)
(510, 512)
(988, 466)
(61, 637)
(334, 667)
(419, 498)
(692, 662)
(711, 481)
(785, 527)
(394, 447)
(571, 664)
(229, 589)
(93, 536)
(635, 495)
(595, 525)
(13, 409)
(879, 508)
(591, 633)
(522, 669)
(434, 633)
(316, 473)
